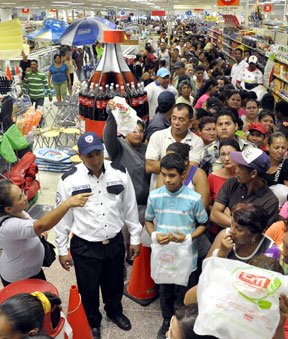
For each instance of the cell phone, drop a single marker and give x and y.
(227, 230)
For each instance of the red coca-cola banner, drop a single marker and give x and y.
(158, 13)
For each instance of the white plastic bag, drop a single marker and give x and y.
(125, 116)
(237, 300)
(171, 263)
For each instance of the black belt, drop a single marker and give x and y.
(103, 242)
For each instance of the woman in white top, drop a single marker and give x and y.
(185, 90)
(23, 252)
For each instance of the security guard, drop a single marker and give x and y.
(97, 246)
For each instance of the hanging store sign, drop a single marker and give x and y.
(188, 13)
(158, 13)
(227, 2)
(25, 11)
(267, 8)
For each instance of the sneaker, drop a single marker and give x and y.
(163, 329)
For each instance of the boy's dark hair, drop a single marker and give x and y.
(34, 60)
(173, 161)
(199, 68)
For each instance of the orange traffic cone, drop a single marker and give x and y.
(141, 287)
(8, 73)
(76, 316)
(17, 70)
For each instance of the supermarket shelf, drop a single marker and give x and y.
(212, 30)
(226, 53)
(281, 78)
(253, 48)
(279, 94)
(281, 60)
(226, 45)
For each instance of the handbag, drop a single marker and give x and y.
(50, 254)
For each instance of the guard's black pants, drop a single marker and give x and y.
(99, 265)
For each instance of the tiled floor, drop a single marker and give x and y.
(145, 320)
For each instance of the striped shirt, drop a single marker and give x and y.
(176, 211)
(35, 84)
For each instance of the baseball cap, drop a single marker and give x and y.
(163, 72)
(254, 158)
(89, 142)
(179, 64)
(165, 100)
(257, 126)
(253, 59)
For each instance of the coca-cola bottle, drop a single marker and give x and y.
(81, 95)
(111, 93)
(134, 97)
(85, 102)
(117, 92)
(100, 106)
(141, 108)
(90, 102)
(146, 105)
(123, 93)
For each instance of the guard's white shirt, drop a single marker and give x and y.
(160, 140)
(153, 90)
(236, 68)
(104, 213)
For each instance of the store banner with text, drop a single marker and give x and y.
(158, 13)
(228, 2)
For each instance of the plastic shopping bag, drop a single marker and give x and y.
(125, 116)
(171, 263)
(237, 300)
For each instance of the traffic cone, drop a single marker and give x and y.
(17, 70)
(141, 287)
(76, 316)
(8, 73)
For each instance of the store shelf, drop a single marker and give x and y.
(279, 94)
(281, 60)
(226, 45)
(247, 46)
(226, 53)
(279, 77)
(212, 30)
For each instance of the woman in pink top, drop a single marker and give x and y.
(216, 179)
(234, 100)
(205, 92)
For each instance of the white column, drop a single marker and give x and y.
(247, 13)
(5, 14)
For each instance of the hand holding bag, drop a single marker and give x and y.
(171, 263)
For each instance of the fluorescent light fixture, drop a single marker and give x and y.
(9, 3)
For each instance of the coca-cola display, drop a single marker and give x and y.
(111, 78)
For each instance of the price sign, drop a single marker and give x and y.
(267, 8)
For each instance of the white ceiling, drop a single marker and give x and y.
(133, 5)
(103, 4)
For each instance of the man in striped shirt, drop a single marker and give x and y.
(177, 210)
(35, 83)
